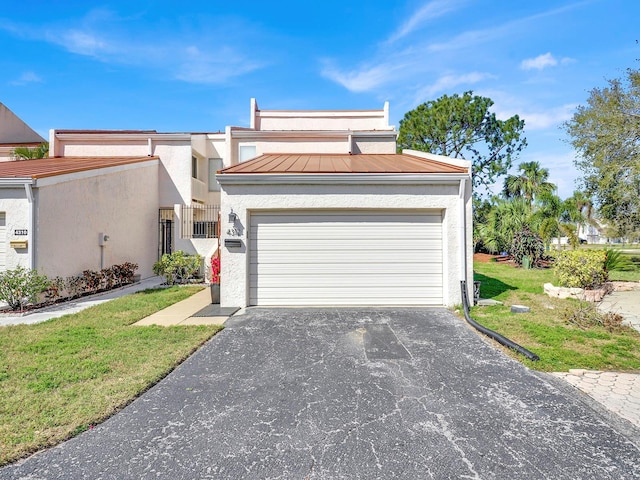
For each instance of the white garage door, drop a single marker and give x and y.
(346, 258)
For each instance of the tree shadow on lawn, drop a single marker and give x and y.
(491, 287)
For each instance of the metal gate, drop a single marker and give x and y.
(165, 231)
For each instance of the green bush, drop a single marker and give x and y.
(616, 260)
(581, 268)
(177, 267)
(19, 287)
(527, 244)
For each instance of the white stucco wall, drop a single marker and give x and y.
(175, 155)
(245, 199)
(322, 119)
(72, 211)
(13, 201)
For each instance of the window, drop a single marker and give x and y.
(246, 152)
(194, 166)
(199, 221)
(215, 164)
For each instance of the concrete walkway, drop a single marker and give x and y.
(625, 303)
(186, 313)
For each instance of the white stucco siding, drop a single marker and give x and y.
(319, 120)
(70, 215)
(103, 149)
(373, 145)
(14, 204)
(245, 199)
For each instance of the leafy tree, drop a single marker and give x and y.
(463, 127)
(606, 136)
(29, 153)
(531, 183)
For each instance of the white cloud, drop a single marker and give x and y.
(447, 82)
(201, 67)
(362, 80)
(25, 78)
(429, 11)
(100, 35)
(83, 43)
(540, 62)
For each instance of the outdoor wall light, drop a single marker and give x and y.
(232, 217)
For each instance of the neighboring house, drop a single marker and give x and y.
(15, 133)
(56, 213)
(316, 208)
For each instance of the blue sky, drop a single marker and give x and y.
(193, 66)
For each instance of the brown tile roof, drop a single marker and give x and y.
(343, 163)
(50, 167)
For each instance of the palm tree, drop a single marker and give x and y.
(29, 153)
(556, 218)
(530, 184)
(506, 217)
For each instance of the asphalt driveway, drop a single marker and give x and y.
(349, 393)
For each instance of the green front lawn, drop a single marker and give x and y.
(60, 377)
(543, 331)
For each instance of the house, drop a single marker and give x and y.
(15, 133)
(316, 207)
(345, 229)
(65, 215)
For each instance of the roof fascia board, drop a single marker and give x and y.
(16, 182)
(311, 133)
(341, 179)
(123, 136)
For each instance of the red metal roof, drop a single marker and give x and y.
(343, 163)
(50, 167)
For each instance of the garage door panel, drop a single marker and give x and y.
(346, 281)
(285, 257)
(380, 244)
(347, 296)
(337, 217)
(409, 267)
(346, 258)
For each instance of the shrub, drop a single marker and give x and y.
(20, 286)
(527, 244)
(616, 260)
(581, 268)
(177, 267)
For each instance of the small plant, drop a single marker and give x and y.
(55, 289)
(581, 268)
(527, 247)
(20, 286)
(177, 267)
(215, 270)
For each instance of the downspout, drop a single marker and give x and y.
(150, 147)
(463, 285)
(30, 243)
